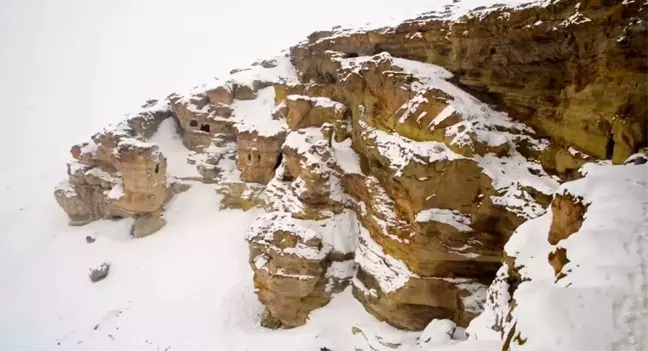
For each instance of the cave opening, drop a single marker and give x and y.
(279, 159)
(609, 148)
(205, 128)
(193, 123)
(157, 168)
(352, 55)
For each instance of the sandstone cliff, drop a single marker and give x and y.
(398, 161)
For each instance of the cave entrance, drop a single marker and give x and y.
(609, 148)
(205, 128)
(279, 159)
(193, 123)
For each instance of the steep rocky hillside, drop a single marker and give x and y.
(417, 165)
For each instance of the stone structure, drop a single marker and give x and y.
(116, 174)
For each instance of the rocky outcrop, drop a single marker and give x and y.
(200, 120)
(295, 267)
(258, 156)
(434, 208)
(120, 173)
(540, 63)
(117, 174)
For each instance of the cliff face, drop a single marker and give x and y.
(573, 70)
(376, 162)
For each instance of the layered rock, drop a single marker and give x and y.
(378, 169)
(541, 63)
(434, 177)
(117, 174)
(302, 250)
(296, 266)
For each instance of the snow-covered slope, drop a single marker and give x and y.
(598, 300)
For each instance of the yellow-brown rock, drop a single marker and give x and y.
(539, 63)
(568, 215)
(258, 156)
(293, 269)
(427, 190)
(304, 111)
(200, 120)
(220, 95)
(117, 174)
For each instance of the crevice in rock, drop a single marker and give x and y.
(609, 147)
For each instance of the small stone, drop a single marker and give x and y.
(640, 160)
(100, 273)
(269, 63)
(90, 239)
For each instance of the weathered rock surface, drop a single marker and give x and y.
(541, 63)
(397, 161)
(117, 174)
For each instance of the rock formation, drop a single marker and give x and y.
(398, 161)
(117, 174)
(540, 62)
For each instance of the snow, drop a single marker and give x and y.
(444, 10)
(188, 286)
(341, 270)
(149, 297)
(89, 148)
(478, 117)
(282, 72)
(576, 18)
(576, 153)
(442, 116)
(438, 332)
(382, 211)
(337, 233)
(101, 174)
(390, 273)
(345, 157)
(319, 101)
(305, 141)
(510, 176)
(310, 144)
(170, 144)
(401, 151)
(252, 116)
(454, 218)
(600, 303)
(117, 192)
(129, 143)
